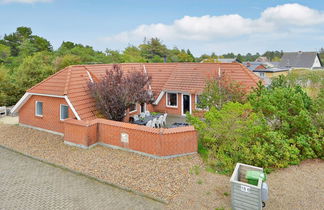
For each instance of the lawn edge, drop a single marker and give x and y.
(86, 175)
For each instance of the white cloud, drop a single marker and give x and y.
(24, 1)
(293, 14)
(282, 18)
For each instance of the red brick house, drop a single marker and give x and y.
(65, 94)
(175, 86)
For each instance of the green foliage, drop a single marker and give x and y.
(312, 81)
(286, 109)
(153, 49)
(4, 53)
(34, 69)
(237, 134)
(220, 91)
(318, 112)
(28, 59)
(275, 127)
(132, 54)
(22, 42)
(67, 60)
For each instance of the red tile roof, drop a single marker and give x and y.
(182, 77)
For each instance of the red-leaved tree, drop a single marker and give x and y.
(118, 90)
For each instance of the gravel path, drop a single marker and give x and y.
(160, 178)
(30, 184)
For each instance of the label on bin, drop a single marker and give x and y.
(245, 188)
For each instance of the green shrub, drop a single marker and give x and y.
(237, 134)
(278, 126)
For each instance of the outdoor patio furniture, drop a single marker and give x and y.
(160, 121)
(3, 111)
(149, 123)
(147, 113)
(164, 119)
(154, 122)
(144, 120)
(135, 117)
(175, 125)
(142, 115)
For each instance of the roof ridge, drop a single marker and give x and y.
(93, 76)
(48, 78)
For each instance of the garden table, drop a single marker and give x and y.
(145, 120)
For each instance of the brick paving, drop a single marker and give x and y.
(29, 184)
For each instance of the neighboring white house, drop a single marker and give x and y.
(305, 60)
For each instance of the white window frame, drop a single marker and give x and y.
(190, 110)
(38, 115)
(61, 111)
(262, 74)
(135, 110)
(166, 100)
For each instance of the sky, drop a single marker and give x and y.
(203, 26)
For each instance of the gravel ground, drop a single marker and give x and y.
(296, 187)
(161, 178)
(180, 181)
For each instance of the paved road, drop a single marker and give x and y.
(29, 184)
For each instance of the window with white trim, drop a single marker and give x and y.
(172, 99)
(261, 74)
(39, 108)
(132, 108)
(64, 112)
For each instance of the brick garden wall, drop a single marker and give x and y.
(154, 141)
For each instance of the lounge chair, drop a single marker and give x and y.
(149, 123)
(160, 121)
(164, 118)
(154, 123)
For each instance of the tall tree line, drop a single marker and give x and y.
(26, 59)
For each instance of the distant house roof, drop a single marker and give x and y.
(273, 64)
(72, 81)
(271, 70)
(255, 65)
(220, 60)
(227, 60)
(262, 59)
(298, 60)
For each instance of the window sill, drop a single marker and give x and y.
(174, 107)
(39, 116)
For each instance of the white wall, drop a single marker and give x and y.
(316, 62)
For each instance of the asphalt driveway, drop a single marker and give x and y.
(29, 184)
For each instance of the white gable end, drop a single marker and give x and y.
(316, 63)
